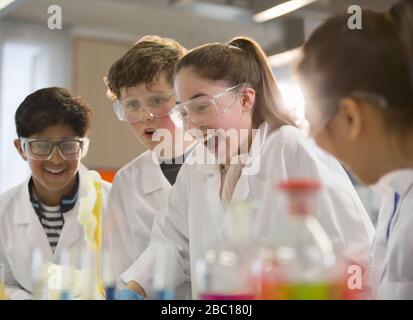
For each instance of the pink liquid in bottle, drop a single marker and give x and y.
(217, 296)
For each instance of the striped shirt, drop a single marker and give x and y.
(52, 218)
(52, 221)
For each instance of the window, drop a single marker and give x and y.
(18, 67)
(31, 57)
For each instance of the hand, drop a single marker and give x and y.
(134, 286)
(127, 294)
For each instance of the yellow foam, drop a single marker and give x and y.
(90, 216)
(3, 295)
(97, 212)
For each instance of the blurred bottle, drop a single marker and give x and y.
(89, 279)
(223, 272)
(268, 274)
(39, 270)
(108, 277)
(301, 264)
(68, 274)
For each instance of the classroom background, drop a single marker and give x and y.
(94, 33)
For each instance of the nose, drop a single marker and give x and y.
(192, 130)
(55, 157)
(145, 116)
(190, 125)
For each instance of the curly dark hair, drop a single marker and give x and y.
(52, 106)
(143, 63)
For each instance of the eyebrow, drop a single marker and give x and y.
(199, 95)
(194, 97)
(130, 96)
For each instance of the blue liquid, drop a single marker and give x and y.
(165, 294)
(110, 293)
(66, 295)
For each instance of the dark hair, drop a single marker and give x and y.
(52, 106)
(143, 63)
(377, 59)
(237, 61)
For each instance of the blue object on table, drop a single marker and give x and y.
(127, 294)
(165, 294)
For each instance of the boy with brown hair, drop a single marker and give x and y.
(140, 82)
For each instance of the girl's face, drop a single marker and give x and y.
(232, 110)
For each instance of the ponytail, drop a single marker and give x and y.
(269, 96)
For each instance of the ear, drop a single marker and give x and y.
(247, 99)
(350, 113)
(18, 146)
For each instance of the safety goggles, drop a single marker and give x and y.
(201, 111)
(70, 148)
(320, 113)
(143, 108)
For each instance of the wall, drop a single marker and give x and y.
(112, 142)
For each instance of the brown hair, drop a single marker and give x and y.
(143, 63)
(377, 59)
(237, 61)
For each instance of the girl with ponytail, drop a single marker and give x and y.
(229, 88)
(359, 90)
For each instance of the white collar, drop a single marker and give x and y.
(395, 181)
(152, 176)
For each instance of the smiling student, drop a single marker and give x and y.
(230, 86)
(141, 84)
(364, 117)
(41, 213)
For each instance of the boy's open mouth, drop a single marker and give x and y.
(148, 132)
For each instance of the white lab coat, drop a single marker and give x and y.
(139, 192)
(21, 233)
(195, 218)
(392, 258)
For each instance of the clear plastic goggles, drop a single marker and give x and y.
(142, 108)
(320, 113)
(201, 111)
(70, 148)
